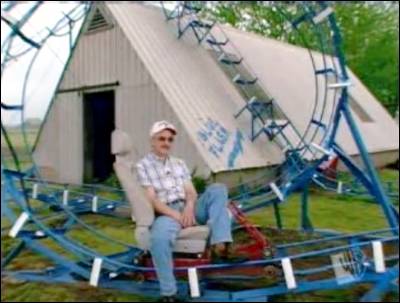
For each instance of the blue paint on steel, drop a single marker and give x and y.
(214, 42)
(11, 107)
(214, 136)
(297, 175)
(325, 71)
(237, 149)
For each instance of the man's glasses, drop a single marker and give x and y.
(166, 139)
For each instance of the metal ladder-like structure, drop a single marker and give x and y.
(124, 271)
(267, 118)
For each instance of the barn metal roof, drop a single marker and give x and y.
(205, 100)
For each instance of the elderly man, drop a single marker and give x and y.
(168, 186)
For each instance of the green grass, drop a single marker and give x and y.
(326, 210)
(14, 291)
(20, 147)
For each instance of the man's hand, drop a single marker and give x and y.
(161, 207)
(188, 218)
(176, 215)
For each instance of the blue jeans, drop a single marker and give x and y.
(211, 209)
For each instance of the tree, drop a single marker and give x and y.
(370, 30)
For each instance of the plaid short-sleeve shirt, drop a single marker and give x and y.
(167, 177)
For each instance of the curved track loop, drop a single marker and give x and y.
(312, 146)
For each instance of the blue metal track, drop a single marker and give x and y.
(68, 202)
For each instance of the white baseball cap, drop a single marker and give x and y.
(159, 126)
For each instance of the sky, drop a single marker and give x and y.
(48, 65)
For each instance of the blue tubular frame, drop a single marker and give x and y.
(376, 188)
(16, 28)
(299, 174)
(11, 107)
(66, 270)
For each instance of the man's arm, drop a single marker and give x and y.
(159, 206)
(190, 194)
(188, 215)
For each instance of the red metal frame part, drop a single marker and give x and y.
(260, 241)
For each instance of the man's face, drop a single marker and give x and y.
(163, 141)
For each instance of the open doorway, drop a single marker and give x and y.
(99, 123)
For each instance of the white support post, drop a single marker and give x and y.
(236, 78)
(379, 257)
(339, 85)
(321, 149)
(65, 197)
(289, 274)
(95, 274)
(194, 283)
(40, 233)
(340, 187)
(35, 191)
(252, 100)
(23, 218)
(323, 15)
(95, 202)
(277, 191)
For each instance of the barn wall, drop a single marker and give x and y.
(102, 58)
(60, 150)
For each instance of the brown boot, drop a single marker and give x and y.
(223, 253)
(221, 250)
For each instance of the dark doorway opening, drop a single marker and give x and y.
(99, 123)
